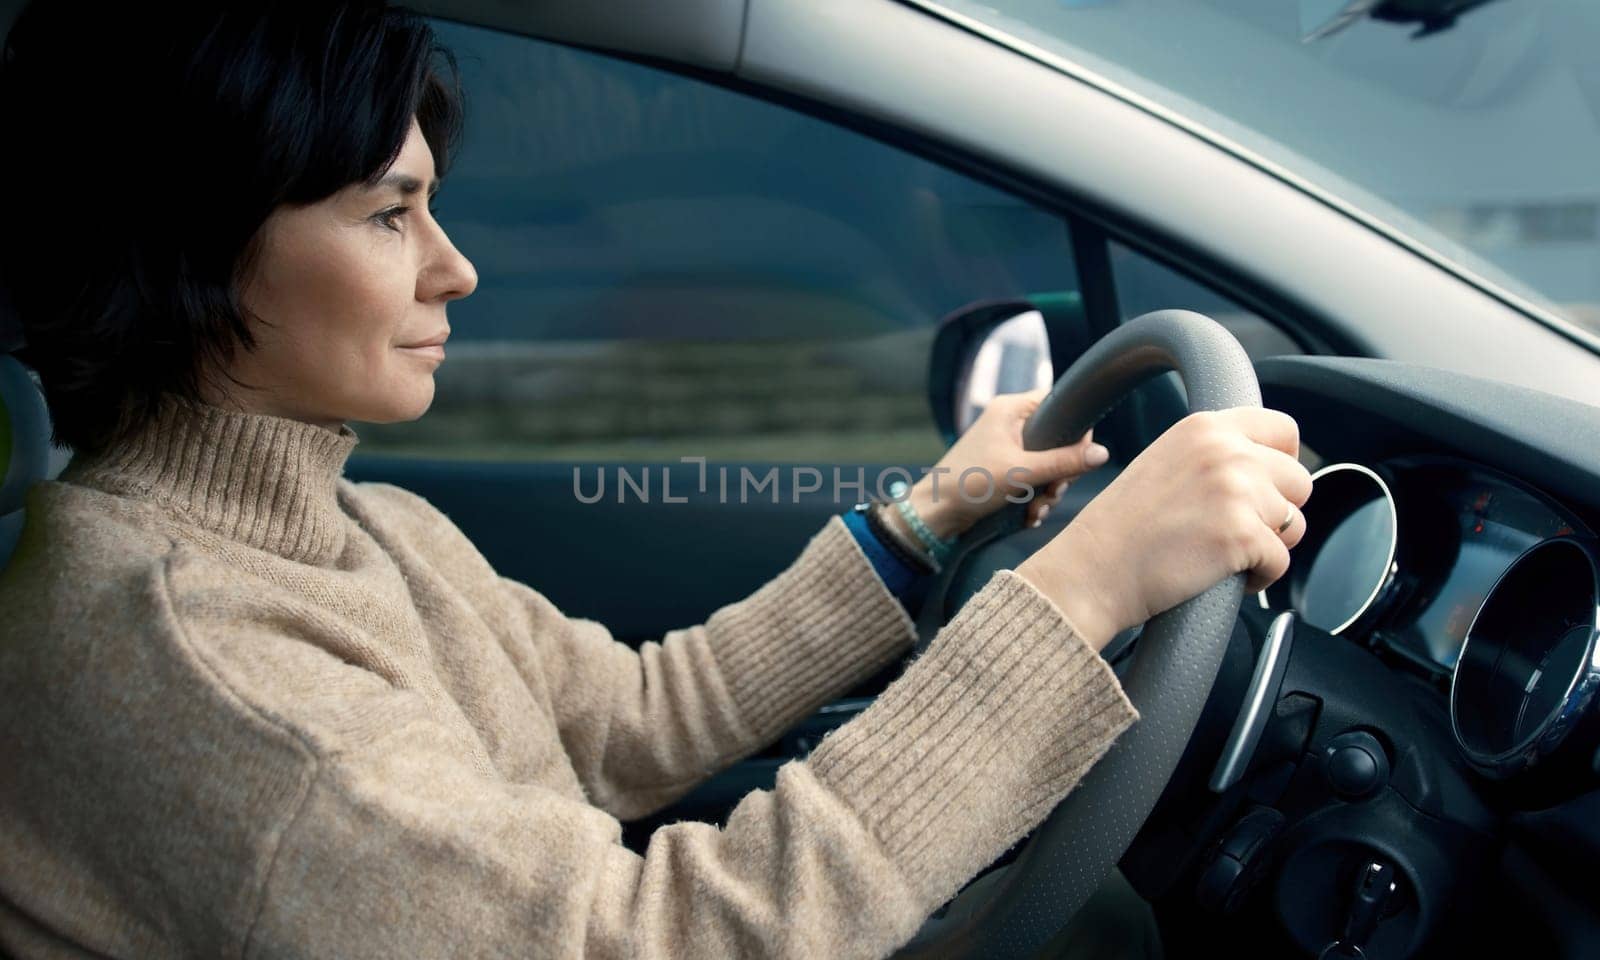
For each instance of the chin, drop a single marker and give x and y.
(400, 405)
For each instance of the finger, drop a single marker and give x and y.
(1025, 402)
(1271, 428)
(1287, 521)
(1288, 476)
(1296, 531)
(1047, 499)
(1070, 461)
(1276, 511)
(1273, 564)
(1038, 505)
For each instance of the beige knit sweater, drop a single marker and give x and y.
(249, 708)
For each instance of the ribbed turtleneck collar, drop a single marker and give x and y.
(270, 482)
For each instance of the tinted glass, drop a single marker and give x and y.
(1477, 134)
(668, 268)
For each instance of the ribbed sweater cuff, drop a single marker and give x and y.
(979, 740)
(813, 632)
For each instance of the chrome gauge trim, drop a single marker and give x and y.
(1581, 686)
(1391, 568)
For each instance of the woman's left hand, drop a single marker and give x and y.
(987, 464)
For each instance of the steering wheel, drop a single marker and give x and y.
(1173, 667)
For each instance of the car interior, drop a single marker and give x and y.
(1393, 752)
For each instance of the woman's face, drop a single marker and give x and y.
(349, 294)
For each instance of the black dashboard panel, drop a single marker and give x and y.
(1460, 526)
(1371, 411)
(1477, 468)
(1465, 525)
(1365, 757)
(1493, 564)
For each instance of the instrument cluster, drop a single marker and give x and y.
(1470, 576)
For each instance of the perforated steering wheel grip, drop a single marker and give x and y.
(1175, 663)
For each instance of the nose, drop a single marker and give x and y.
(448, 275)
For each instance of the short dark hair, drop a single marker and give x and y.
(145, 146)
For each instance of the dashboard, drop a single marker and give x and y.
(1429, 709)
(1489, 520)
(1465, 573)
(1429, 764)
(1451, 531)
(1405, 552)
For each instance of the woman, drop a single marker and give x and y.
(253, 708)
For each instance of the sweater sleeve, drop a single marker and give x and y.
(400, 848)
(644, 726)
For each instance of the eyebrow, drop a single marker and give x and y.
(406, 184)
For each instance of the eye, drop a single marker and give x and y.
(388, 218)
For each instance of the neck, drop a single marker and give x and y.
(267, 481)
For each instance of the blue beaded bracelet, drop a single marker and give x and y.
(938, 549)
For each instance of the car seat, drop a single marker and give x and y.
(25, 453)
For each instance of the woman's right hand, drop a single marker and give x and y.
(1203, 502)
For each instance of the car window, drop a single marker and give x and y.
(669, 268)
(1142, 285)
(1471, 127)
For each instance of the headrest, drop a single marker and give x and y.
(24, 434)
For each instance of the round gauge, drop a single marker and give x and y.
(1527, 669)
(1344, 567)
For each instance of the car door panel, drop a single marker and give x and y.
(640, 567)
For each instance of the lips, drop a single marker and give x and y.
(436, 340)
(430, 350)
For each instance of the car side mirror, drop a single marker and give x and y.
(1000, 346)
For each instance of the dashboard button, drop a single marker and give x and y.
(1356, 764)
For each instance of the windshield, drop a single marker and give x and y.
(1471, 126)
